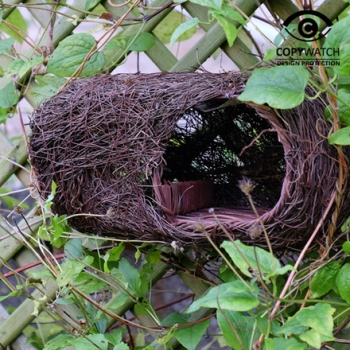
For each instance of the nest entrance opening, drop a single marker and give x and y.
(214, 145)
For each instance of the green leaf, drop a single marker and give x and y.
(119, 300)
(324, 279)
(318, 318)
(12, 294)
(340, 137)
(8, 95)
(90, 4)
(122, 346)
(131, 275)
(279, 87)
(120, 278)
(175, 318)
(16, 20)
(113, 255)
(70, 269)
(9, 200)
(164, 30)
(74, 249)
(190, 336)
(6, 44)
(236, 296)
(229, 12)
(28, 65)
(14, 67)
(182, 28)
(285, 344)
(238, 330)
(115, 336)
(270, 54)
(93, 341)
(344, 106)
(339, 37)
(59, 227)
(315, 339)
(346, 247)
(71, 53)
(229, 28)
(343, 282)
(143, 42)
(247, 257)
(47, 86)
(88, 283)
(59, 342)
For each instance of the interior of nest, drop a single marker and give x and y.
(214, 146)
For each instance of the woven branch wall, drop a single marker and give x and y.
(150, 153)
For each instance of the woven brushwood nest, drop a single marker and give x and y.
(143, 156)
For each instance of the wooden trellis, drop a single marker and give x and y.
(11, 247)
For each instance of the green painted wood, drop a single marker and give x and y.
(10, 245)
(18, 154)
(5, 147)
(115, 57)
(23, 315)
(214, 38)
(238, 52)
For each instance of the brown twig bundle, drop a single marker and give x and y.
(140, 149)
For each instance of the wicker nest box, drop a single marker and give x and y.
(146, 156)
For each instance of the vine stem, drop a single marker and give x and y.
(301, 256)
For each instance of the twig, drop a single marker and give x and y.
(301, 256)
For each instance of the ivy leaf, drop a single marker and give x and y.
(229, 28)
(182, 28)
(8, 94)
(131, 275)
(340, 137)
(246, 257)
(70, 269)
(318, 318)
(235, 296)
(164, 30)
(190, 336)
(6, 44)
(344, 106)
(324, 279)
(138, 42)
(270, 54)
(143, 42)
(119, 300)
(47, 86)
(113, 255)
(73, 249)
(314, 338)
(244, 328)
(71, 53)
(339, 37)
(282, 343)
(59, 342)
(92, 341)
(121, 280)
(279, 87)
(346, 247)
(343, 282)
(17, 22)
